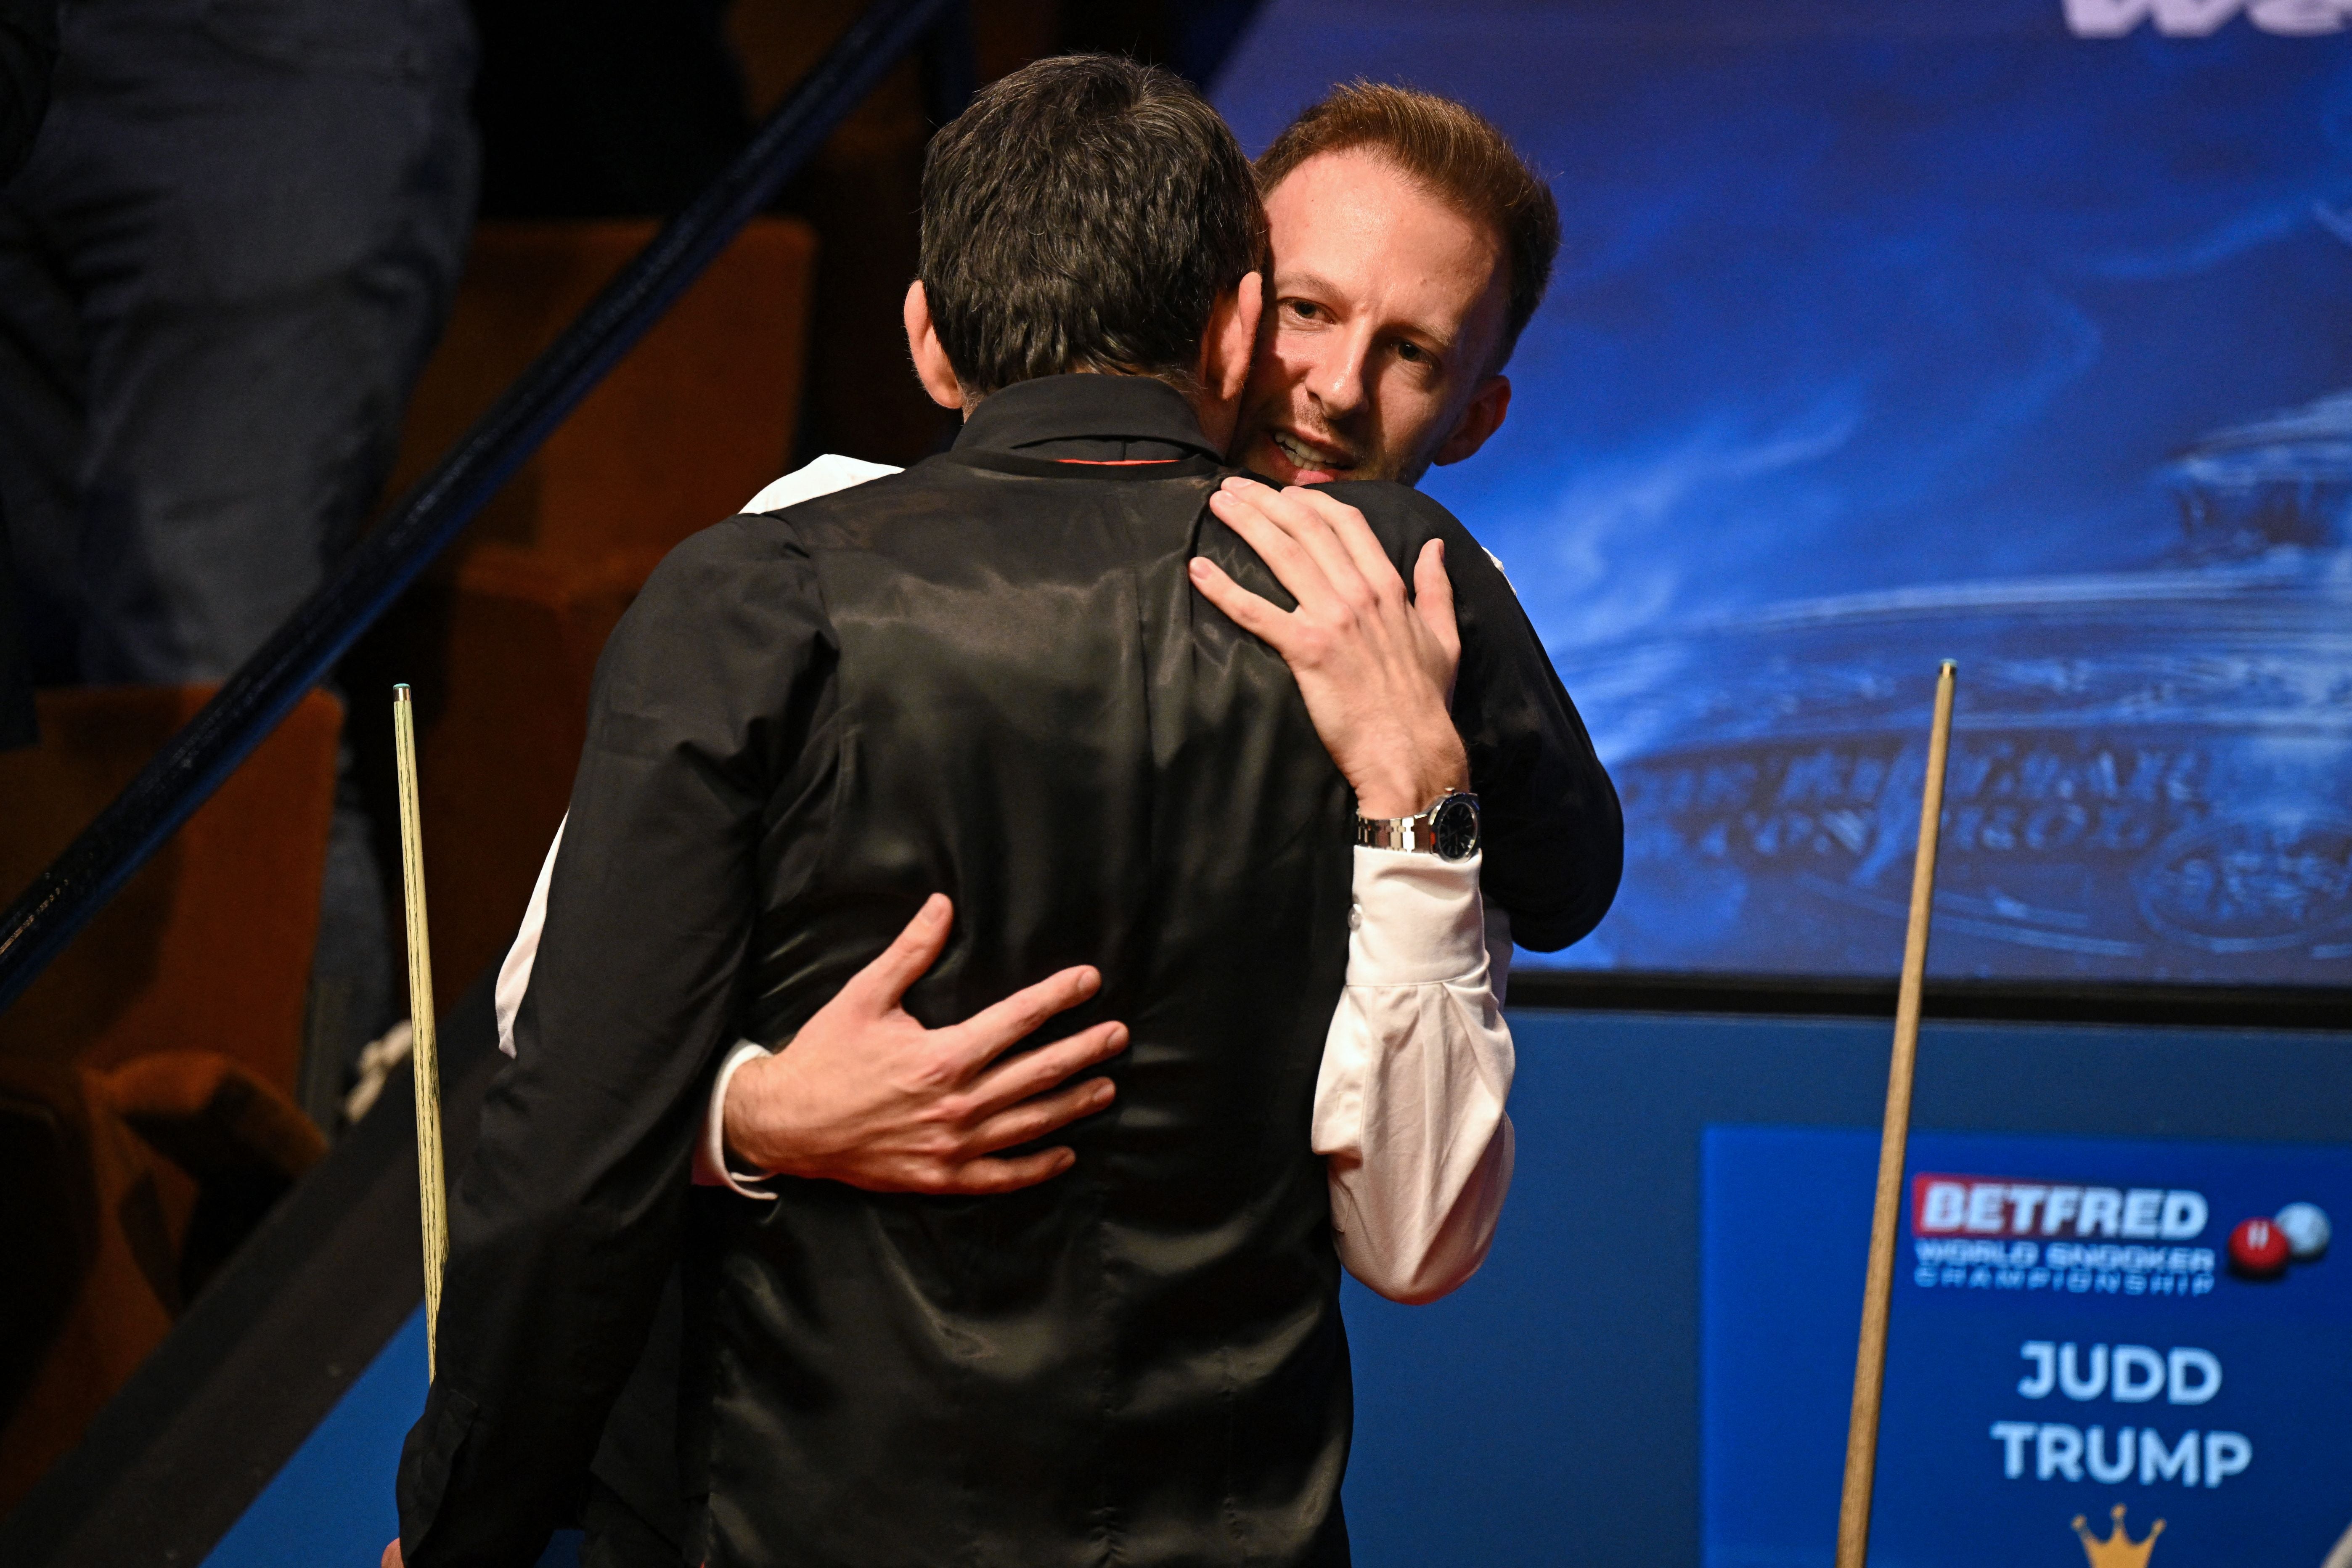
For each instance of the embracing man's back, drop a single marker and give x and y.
(1035, 712)
(1037, 715)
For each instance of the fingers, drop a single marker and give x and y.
(1347, 529)
(982, 1038)
(1316, 545)
(1009, 1083)
(983, 1176)
(1250, 611)
(1294, 513)
(392, 1555)
(879, 985)
(1034, 1118)
(1333, 533)
(1432, 597)
(1271, 526)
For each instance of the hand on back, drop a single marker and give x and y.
(1375, 665)
(864, 1094)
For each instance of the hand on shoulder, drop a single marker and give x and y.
(1375, 664)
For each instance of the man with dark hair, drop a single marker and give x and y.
(1010, 296)
(990, 676)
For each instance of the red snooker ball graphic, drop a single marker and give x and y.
(2259, 1249)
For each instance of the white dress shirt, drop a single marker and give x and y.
(1416, 1065)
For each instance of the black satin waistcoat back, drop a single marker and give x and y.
(1140, 1362)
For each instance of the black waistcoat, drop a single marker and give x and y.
(1139, 1362)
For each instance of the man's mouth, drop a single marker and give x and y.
(1314, 463)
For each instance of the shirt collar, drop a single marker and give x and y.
(1133, 411)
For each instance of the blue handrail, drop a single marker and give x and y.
(265, 689)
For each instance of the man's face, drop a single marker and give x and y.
(1382, 319)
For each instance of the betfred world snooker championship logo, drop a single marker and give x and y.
(2004, 1234)
(1989, 1233)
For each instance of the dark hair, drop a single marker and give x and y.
(1085, 213)
(1453, 150)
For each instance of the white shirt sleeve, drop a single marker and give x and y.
(1408, 1105)
(1416, 1069)
(514, 970)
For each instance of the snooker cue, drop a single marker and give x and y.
(1878, 1290)
(425, 1062)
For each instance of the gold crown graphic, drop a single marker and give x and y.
(2119, 1550)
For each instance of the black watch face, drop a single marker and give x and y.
(1456, 825)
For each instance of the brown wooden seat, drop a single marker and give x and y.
(208, 947)
(147, 1117)
(120, 1193)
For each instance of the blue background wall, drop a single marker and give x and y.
(1548, 1413)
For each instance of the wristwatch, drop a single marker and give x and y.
(1448, 829)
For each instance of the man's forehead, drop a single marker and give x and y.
(1341, 220)
(1371, 177)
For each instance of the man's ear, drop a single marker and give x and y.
(1231, 342)
(1485, 416)
(932, 367)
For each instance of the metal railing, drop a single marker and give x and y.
(365, 584)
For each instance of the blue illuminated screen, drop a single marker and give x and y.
(2013, 333)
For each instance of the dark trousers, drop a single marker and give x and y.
(220, 274)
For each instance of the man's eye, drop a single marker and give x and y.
(1303, 309)
(1412, 353)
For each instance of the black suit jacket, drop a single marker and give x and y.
(989, 676)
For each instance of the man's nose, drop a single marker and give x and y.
(1342, 383)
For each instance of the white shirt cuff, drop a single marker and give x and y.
(1417, 920)
(710, 1150)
